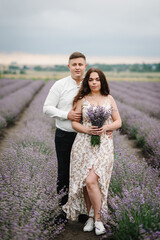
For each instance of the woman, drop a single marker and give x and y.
(91, 166)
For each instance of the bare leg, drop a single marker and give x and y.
(87, 199)
(94, 193)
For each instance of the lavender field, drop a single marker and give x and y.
(15, 97)
(140, 114)
(28, 167)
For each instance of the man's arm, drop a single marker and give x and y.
(74, 115)
(51, 102)
(51, 110)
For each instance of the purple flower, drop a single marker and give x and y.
(98, 115)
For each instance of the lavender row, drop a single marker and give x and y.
(142, 102)
(134, 195)
(8, 89)
(145, 129)
(137, 92)
(148, 107)
(12, 106)
(149, 88)
(3, 123)
(29, 199)
(7, 81)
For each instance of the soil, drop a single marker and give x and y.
(73, 230)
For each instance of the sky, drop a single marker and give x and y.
(101, 29)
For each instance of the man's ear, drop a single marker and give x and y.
(68, 66)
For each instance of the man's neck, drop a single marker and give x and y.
(78, 81)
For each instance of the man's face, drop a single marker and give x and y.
(77, 68)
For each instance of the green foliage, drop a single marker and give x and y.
(116, 67)
(140, 141)
(38, 68)
(22, 72)
(129, 227)
(9, 72)
(95, 140)
(14, 67)
(133, 132)
(126, 229)
(61, 68)
(47, 79)
(107, 67)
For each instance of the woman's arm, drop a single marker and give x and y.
(117, 122)
(80, 127)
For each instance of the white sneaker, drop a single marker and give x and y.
(89, 225)
(99, 228)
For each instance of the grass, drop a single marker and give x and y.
(111, 76)
(133, 76)
(32, 74)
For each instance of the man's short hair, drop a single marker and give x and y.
(77, 55)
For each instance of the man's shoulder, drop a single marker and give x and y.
(62, 81)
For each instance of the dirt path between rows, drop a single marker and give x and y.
(73, 230)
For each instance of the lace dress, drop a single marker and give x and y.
(83, 157)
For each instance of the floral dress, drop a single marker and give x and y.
(84, 156)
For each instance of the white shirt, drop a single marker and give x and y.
(60, 101)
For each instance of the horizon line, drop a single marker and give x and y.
(22, 58)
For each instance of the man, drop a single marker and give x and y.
(59, 105)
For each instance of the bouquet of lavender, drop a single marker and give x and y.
(98, 115)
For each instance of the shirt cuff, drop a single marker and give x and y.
(64, 115)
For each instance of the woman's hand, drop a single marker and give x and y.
(104, 128)
(92, 130)
(101, 130)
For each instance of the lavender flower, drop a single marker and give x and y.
(10, 88)
(13, 104)
(7, 81)
(28, 178)
(146, 132)
(138, 97)
(133, 199)
(2, 123)
(28, 173)
(97, 115)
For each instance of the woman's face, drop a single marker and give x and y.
(94, 82)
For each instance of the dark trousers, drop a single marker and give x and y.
(63, 143)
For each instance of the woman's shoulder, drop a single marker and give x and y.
(80, 102)
(84, 99)
(110, 99)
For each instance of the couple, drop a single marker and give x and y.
(84, 169)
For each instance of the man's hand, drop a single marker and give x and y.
(74, 115)
(109, 133)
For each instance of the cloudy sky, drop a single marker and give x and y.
(115, 28)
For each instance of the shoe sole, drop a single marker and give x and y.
(88, 230)
(100, 233)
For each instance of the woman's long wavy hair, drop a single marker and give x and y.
(85, 90)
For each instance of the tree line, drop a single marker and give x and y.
(108, 67)
(154, 67)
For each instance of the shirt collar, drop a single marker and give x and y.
(74, 81)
